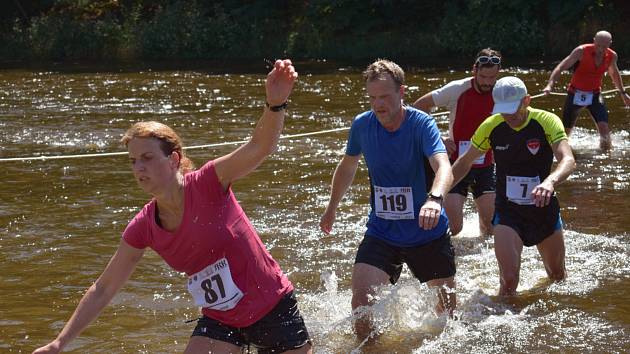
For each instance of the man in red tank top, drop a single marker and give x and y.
(469, 101)
(591, 62)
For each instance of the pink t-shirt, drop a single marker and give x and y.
(215, 243)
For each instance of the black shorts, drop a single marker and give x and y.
(282, 329)
(480, 180)
(598, 110)
(433, 260)
(532, 224)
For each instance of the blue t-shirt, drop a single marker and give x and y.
(398, 180)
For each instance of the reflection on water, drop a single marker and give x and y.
(61, 220)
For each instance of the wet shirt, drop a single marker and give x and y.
(468, 108)
(588, 76)
(524, 155)
(231, 274)
(398, 176)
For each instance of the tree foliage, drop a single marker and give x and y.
(308, 29)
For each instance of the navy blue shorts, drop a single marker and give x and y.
(598, 110)
(433, 260)
(480, 180)
(532, 224)
(282, 329)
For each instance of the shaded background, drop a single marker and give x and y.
(435, 31)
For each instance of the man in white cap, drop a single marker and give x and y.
(524, 141)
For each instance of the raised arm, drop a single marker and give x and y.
(264, 140)
(342, 179)
(566, 164)
(615, 75)
(118, 270)
(565, 64)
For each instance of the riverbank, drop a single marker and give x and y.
(111, 31)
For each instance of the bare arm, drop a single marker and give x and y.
(264, 140)
(565, 64)
(118, 270)
(341, 181)
(615, 75)
(566, 164)
(462, 166)
(425, 103)
(430, 212)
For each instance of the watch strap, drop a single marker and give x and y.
(277, 108)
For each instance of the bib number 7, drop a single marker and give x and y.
(519, 189)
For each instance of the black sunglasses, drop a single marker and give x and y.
(488, 59)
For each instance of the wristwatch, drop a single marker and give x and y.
(437, 198)
(277, 108)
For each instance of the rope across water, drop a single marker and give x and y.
(104, 154)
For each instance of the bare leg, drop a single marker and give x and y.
(365, 280)
(552, 252)
(508, 248)
(306, 349)
(199, 344)
(453, 206)
(605, 142)
(485, 209)
(447, 299)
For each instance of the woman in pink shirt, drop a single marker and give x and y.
(196, 225)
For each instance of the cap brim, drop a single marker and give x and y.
(506, 107)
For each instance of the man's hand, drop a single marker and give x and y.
(547, 89)
(429, 215)
(451, 148)
(542, 194)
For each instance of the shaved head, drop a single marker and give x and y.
(603, 38)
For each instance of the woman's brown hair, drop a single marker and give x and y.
(169, 141)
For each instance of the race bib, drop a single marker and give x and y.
(214, 288)
(393, 203)
(583, 98)
(464, 146)
(519, 189)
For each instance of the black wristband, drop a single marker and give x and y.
(437, 198)
(622, 92)
(277, 108)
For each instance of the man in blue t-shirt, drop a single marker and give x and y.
(403, 150)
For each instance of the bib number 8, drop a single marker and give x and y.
(211, 295)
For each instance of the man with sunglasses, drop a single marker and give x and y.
(525, 141)
(590, 63)
(469, 101)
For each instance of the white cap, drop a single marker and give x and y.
(507, 94)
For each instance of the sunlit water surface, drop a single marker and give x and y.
(61, 220)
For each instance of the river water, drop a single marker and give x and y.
(61, 220)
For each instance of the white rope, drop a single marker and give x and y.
(59, 157)
(104, 154)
